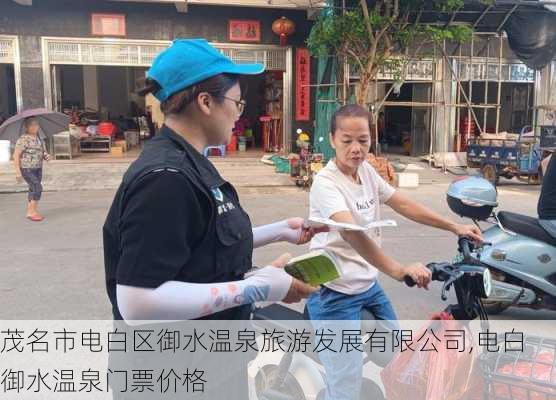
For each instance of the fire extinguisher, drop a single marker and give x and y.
(467, 129)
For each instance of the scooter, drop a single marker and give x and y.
(301, 376)
(519, 252)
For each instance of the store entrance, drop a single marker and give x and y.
(516, 104)
(260, 126)
(108, 117)
(404, 129)
(8, 103)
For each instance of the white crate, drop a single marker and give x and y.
(408, 180)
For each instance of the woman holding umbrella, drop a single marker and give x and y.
(28, 158)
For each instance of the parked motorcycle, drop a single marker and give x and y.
(300, 376)
(519, 252)
(515, 266)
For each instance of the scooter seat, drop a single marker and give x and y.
(526, 226)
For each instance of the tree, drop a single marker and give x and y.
(382, 34)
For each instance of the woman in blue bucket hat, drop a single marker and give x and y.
(177, 243)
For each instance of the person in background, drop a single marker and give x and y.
(150, 123)
(28, 158)
(547, 200)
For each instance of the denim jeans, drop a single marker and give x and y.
(549, 225)
(344, 370)
(33, 177)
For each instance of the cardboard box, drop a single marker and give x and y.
(117, 151)
(121, 143)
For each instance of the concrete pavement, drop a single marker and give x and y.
(54, 269)
(243, 170)
(106, 174)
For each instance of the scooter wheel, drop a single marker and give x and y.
(369, 390)
(290, 388)
(495, 308)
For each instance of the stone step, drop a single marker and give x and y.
(88, 175)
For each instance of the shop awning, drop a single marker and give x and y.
(181, 5)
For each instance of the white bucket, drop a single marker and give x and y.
(4, 151)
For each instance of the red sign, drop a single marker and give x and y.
(302, 81)
(244, 30)
(108, 24)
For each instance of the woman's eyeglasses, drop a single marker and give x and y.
(240, 104)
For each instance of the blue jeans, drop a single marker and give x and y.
(33, 177)
(549, 225)
(344, 370)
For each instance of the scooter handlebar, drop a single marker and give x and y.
(433, 267)
(466, 247)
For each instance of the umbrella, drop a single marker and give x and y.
(50, 123)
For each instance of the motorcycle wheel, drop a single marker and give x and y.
(369, 390)
(495, 308)
(266, 375)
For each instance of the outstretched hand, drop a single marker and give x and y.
(305, 233)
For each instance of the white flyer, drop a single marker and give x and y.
(320, 222)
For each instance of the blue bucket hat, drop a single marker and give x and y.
(190, 61)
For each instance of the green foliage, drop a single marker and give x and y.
(332, 32)
(379, 40)
(448, 5)
(347, 34)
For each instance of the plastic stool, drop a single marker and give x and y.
(221, 149)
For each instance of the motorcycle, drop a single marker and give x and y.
(301, 375)
(518, 251)
(514, 267)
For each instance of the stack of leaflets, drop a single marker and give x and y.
(314, 268)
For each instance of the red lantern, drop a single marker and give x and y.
(283, 27)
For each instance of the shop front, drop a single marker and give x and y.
(10, 81)
(86, 58)
(404, 122)
(97, 78)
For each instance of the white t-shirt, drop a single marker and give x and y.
(333, 192)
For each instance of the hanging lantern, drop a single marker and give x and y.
(283, 27)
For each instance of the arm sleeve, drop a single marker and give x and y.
(161, 223)
(326, 198)
(175, 300)
(275, 232)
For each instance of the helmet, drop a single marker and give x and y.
(472, 197)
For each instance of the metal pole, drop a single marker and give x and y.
(469, 104)
(498, 105)
(375, 114)
(458, 111)
(471, 71)
(485, 111)
(446, 125)
(434, 111)
(345, 78)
